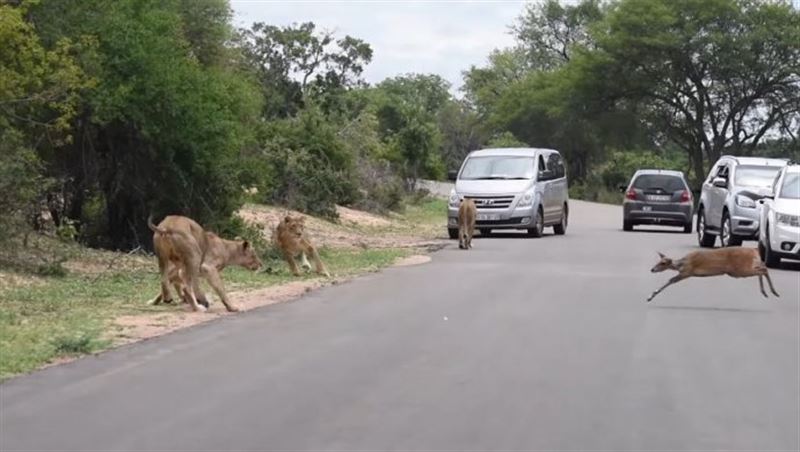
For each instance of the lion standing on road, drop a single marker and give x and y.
(290, 237)
(466, 223)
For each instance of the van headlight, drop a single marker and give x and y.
(789, 220)
(744, 201)
(526, 200)
(454, 200)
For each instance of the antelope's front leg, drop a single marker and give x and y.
(671, 281)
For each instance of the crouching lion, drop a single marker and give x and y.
(185, 251)
(290, 237)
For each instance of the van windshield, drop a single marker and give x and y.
(498, 167)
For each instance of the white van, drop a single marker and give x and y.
(513, 188)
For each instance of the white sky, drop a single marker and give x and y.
(441, 37)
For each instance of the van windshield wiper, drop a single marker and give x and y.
(500, 178)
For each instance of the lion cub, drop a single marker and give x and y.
(290, 236)
(466, 223)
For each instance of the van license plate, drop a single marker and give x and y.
(488, 217)
(647, 208)
(659, 198)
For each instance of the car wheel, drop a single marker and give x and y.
(704, 239)
(538, 225)
(561, 227)
(627, 225)
(687, 228)
(726, 236)
(767, 255)
(453, 233)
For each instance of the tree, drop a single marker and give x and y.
(296, 61)
(461, 130)
(160, 132)
(406, 108)
(548, 32)
(712, 76)
(484, 86)
(39, 93)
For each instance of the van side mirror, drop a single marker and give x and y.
(720, 182)
(452, 175)
(545, 175)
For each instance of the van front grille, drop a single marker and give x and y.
(492, 202)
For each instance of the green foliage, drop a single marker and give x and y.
(710, 76)
(505, 140)
(160, 132)
(38, 96)
(309, 168)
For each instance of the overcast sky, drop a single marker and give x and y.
(441, 37)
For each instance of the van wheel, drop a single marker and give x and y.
(453, 233)
(538, 225)
(726, 236)
(704, 239)
(687, 228)
(485, 232)
(561, 227)
(627, 225)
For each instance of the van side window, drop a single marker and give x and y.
(541, 164)
(556, 165)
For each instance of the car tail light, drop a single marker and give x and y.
(686, 196)
(631, 194)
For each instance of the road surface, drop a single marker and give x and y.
(519, 344)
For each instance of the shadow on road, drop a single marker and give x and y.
(712, 309)
(661, 231)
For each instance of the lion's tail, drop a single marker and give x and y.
(153, 227)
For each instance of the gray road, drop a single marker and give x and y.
(519, 344)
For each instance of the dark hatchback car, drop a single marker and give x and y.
(659, 197)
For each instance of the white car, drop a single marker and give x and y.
(779, 236)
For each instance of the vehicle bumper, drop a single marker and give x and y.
(785, 241)
(511, 218)
(745, 223)
(666, 214)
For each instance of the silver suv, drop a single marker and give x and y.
(728, 205)
(513, 188)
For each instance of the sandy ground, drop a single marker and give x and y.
(356, 229)
(132, 328)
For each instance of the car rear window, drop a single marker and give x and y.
(663, 182)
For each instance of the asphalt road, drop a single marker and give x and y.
(518, 344)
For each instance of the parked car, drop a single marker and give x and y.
(658, 197)
(779, 235)
(513, 188)
(729, 199)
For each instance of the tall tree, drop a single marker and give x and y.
(296, 61)
(160, 132)
(712, 76)
(548, 32)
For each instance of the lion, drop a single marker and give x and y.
(290, 237)
(466, 223)
(209, 255)
(181, 243)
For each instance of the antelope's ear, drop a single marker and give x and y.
(661, 255)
